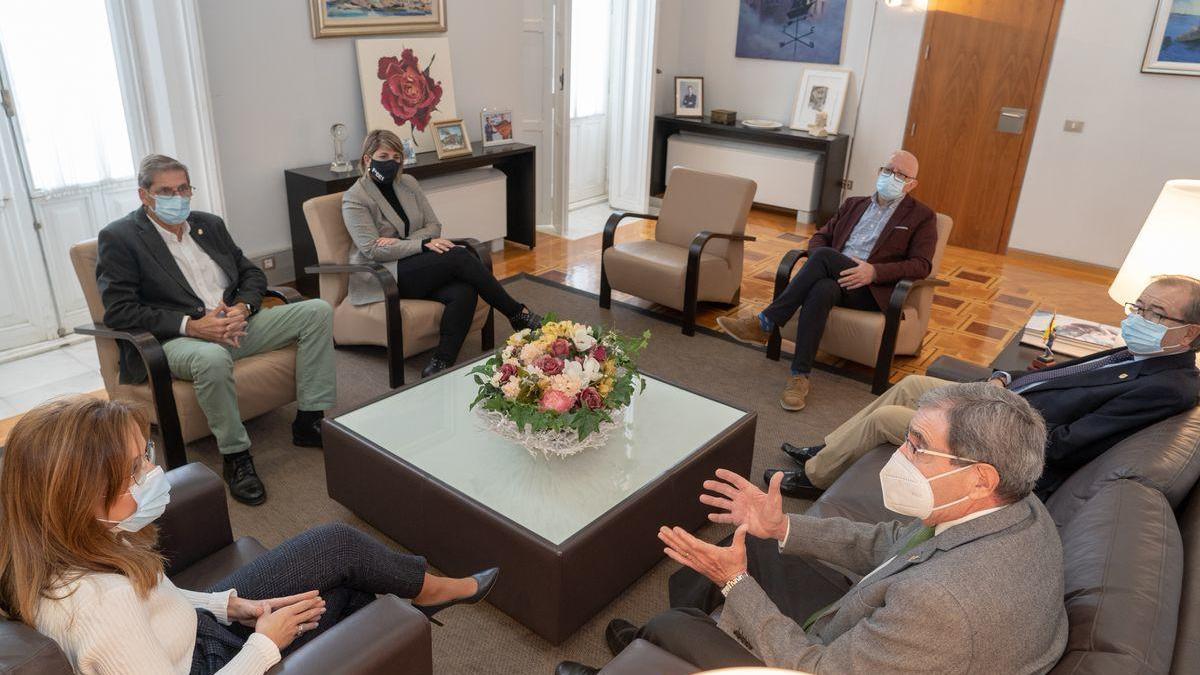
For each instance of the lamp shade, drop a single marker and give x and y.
(1169, 242)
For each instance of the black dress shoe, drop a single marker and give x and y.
(244, 483)
(801, 454)
(618, 634)
(485, 580)
(436, 365)
(525, 319)
(307, 434)
(574, 668)
(795, 484)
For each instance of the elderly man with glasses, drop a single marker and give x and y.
(178, 274)
(971, 582)
(854, 261)
(1089, 403)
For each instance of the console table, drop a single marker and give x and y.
(832, 148)
(516, 160)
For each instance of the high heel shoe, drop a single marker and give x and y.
(484, 580)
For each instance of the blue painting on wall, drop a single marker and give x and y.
(791, 30)
(1174, 45)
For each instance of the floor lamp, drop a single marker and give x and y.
(1167, 244)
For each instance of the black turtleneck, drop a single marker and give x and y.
(389, 193)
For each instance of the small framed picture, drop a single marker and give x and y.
(410, 151)
(821, 91)
(689, 96)
(497, 125)
(450, 139)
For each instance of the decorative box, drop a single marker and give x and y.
(724, 116)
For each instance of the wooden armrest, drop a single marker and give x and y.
(391, 307)
(783, 274)
(285, 293)
(610, 227)
(481, 250)
(391, 292)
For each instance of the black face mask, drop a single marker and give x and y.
(384, 170)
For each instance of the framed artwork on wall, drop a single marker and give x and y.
(404, 82)
(497, 125)
(689, 96)
(820, 91)
(799, 30)
(450, 139)
(337, 18)
(1174, 44)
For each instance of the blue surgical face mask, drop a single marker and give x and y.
(889, 187)
(152, 496)
(172, 210)
(1143, 336)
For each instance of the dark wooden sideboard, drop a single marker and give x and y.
(833, 149)
(516, 160)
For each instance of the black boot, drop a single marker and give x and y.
(306, 429)
(795, 484)
(801, 454)
(525, 319)
(436, 365)
(244, 483)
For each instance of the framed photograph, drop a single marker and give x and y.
(1174, 45)
(338, 18)
(689, 96)
(450, 139)
(497, 125)
(809, 31)
(820, 91)
(410, 153)
(406, 82)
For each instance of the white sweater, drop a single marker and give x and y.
(104, 627)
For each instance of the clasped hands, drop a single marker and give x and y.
(280, 619)
(437, 245)
(741, 504)
(222, 324)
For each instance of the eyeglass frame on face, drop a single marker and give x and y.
(909, 435)
(1152, 315)
(145, 464)
(181, 191)
(883, 170)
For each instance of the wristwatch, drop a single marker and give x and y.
(1001, 375)
(731, 583)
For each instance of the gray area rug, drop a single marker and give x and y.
(482, 639)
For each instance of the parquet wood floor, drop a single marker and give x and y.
(988, 301)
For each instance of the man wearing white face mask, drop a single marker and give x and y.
(974, 585)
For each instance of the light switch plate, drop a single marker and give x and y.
(1073, 126)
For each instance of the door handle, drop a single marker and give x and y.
(1011, 120)
(1011, 114)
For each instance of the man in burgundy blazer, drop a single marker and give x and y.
(854, 261)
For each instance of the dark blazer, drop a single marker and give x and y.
(1089, 413)
(143, 289)
(904, 249)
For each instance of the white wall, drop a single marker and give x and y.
(1086, 195)
(276, 90)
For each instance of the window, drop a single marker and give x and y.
(589, 57)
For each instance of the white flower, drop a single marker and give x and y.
(530, 352)
(592, 369)
(518, 337)
(584, 373)
(566, 384)
(511, 388)
(583, 339)
(496, 379)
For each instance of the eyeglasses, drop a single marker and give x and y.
(145, 464)
(181, 191)
(883, 170)
(912, 446)
(1150, 314)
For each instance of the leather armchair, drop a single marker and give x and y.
(387, 636)
(403, 326)
(696, 253)
(264, 381)
(872, 338)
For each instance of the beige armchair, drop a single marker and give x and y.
(405, 327)
(264, 381)
(872, 338)
(683, 264)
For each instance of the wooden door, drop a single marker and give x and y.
(983, 62)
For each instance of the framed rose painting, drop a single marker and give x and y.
(406, 83)
(337, 18)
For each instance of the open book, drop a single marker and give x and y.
(1073, 337)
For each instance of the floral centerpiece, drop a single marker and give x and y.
(560, 389)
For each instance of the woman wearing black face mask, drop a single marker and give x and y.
(391, 222)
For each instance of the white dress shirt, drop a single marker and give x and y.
(203, 274)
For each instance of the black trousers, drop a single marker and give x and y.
(815, 292)
(456, 279)
(347, 566)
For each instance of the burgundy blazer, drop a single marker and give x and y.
(904, 249)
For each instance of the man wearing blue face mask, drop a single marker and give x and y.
(178, 274)
(854, 261)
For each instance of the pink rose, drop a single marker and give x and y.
(560, 347)
(507, 370)
(548, 364)
(599, 353)
(591, 399)
(557, 401)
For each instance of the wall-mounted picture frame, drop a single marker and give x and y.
(339, 18)
(410, 152)
(497, 125)
(820, 91)
(450, 139)
(689, 96)
(1174, 44)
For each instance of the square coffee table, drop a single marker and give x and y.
(569, 534)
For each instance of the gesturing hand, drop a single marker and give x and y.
(247, 612)
(761, 513)
(862, 274)
(718, 563)
(289, 621)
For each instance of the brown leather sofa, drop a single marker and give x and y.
(1130, 526)
(386, 636)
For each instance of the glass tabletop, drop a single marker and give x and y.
(429, 427)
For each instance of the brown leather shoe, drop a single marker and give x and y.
(793, 396)
(744, 329)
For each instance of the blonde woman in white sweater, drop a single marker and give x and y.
(78, 489)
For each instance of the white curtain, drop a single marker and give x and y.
(589, 57)
(63, 75)
(632, 112)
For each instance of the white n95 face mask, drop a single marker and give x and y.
(152, 496)
(907, 491)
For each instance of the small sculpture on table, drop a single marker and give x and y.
(339, 163)
(1047, 357)
(817, 128)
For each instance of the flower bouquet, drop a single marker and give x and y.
(560, 389)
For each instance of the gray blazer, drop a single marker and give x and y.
(985, 596)
(368, 217)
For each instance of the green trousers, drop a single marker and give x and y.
(209, 366)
